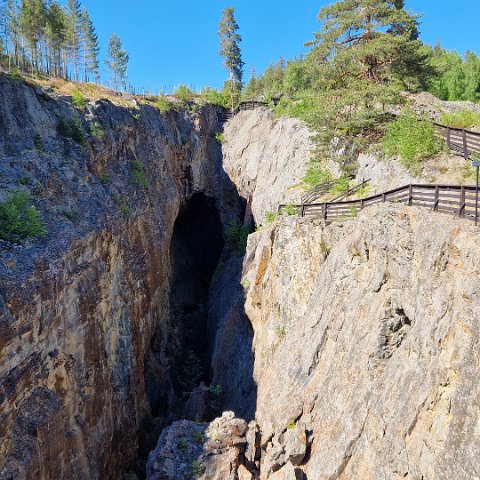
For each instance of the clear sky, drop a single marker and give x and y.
(176, 41)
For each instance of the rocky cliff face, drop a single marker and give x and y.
(365, 339)
(85, 333)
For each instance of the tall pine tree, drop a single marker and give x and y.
(90, 48)
(117, 60)
(230, 52)
(32, 26)
(73, 11)
(56, 35)
(364, 55)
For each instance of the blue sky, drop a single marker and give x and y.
(176, 41)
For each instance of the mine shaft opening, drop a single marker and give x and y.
(196, 247)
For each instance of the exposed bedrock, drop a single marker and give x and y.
(85, 321)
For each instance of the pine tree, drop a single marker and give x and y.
(365, 54)
(73, 11)
(13, 25)
(56, 35)
(230, 52)
(117, 60)
(32, 26)
(90, 46)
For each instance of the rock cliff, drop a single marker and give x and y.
(85, 329)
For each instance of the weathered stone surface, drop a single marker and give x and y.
(84, 314)
(197, 404)
(371, 326)
(189, 450)
(266, 158)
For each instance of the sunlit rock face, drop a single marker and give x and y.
(84, 312)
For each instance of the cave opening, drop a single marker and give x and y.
(196, 248)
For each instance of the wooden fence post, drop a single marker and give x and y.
(465, 145)
(437, 198)
(461, 210)
(362, 202)
(324, 211)
(303, 209)
(410, 195)
(384, 197)
(448, 137)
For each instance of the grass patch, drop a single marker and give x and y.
(19, 219)
(183, 93)
(460, 119)
(412, 138)
(290, 209)
(219, 137)
(341, 185)
(270, 217)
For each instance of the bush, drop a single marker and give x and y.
(38, 142)
(412, 138)
(214, 97)
(270, 217)
(341, 185)
(122, 203)
(316, 175)
(79, 100)
(183, 93)
(237, 235)
(163, 104)
(137, 175)
(19, 219)
(72, 129)
(460, 119)
(96, 130)
(290, 209)
(186, 372)
(219, 137)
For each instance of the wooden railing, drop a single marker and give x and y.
(226, 114)
(454, 199)
(459, 140)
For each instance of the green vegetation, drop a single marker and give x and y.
(231, 54)
(316, 174)
(292, 425)
(214, 97)
(197, 469)
(237, 236)
(19, 219)
(38, 142)
(214, 406)
(281, 332)
(461, 119)
(105, 179)
(290, 209)
(122, 203)
(79, 100)
(270, 217)
(324, 247)
(117, 60)
(163, 104)
(198, 437)
(96, 130)
(340, 185)
(186, 372)
(137, 175)
(72, 129)
(412, 138)
(184, 94)
(219, 137)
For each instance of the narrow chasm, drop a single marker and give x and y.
(196, 247)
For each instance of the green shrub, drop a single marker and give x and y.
(122, 203)
(237, 236)
(19, 219)
(16, 75)
(460, 119)
(183, 93)
(270, 217)
(137, 175)
(79, 100)
(197, 469)
(290, 209)
(105, 179)
(219, 137)
(214, 97)
(38, 142)
(186, 372)
(96, 130)
(316, 174)
(341, 185)
(72, 129)
(163, 104)
(214, 401)
(412, 138)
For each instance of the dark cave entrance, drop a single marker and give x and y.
(195, 250)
